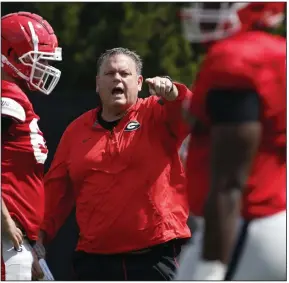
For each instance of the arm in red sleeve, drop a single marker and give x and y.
(172, 111)
(59, 197)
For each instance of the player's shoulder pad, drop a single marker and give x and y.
(13, 109)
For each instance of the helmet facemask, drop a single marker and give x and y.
(43, 76)
(205, 22)
(211, 21)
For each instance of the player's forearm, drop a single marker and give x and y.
(232, 153)
(221, 215)
(174, 109)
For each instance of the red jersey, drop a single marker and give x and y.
(254, 61)
(23, 156)
(128, 184)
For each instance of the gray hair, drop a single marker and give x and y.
(120, 51)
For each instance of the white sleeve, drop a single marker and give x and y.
(12, 109)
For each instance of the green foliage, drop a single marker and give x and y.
(85, 30)
(153, 30)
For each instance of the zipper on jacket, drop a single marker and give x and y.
(114, 139)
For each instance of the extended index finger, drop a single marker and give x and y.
(150, 81)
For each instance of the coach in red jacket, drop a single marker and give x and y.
(119, 165)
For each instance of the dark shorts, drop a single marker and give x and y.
(157, 263)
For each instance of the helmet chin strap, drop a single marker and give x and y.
(4, 60)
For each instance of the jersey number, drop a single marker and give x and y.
(37, 142)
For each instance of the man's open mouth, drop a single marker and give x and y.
(117, 90)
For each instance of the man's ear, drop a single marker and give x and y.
(140, 82)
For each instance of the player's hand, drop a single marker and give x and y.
(13, 232)
(36, 270)
(163, 87)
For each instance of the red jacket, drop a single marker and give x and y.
(128, 184)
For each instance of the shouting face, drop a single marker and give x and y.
(118, 82)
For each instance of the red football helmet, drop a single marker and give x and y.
(28, 44)
(211, 21)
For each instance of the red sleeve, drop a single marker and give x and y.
(59, 197)
(171, 111)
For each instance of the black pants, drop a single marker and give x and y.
(155, 264)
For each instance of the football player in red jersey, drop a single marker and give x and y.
(236, 163)
(28, 45)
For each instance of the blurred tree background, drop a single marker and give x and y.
(85, 30)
